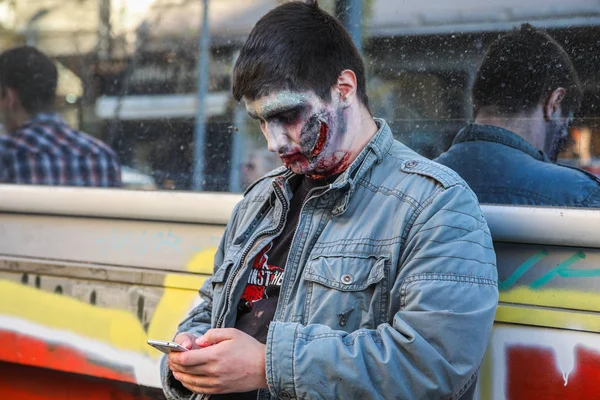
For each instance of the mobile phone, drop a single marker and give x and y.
(165, 346)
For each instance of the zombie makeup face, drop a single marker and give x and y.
(308, 134)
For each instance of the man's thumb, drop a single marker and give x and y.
(214, 336)
(185, 339)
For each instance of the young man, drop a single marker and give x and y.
(40, 148)
(359, 269)
(524, 96)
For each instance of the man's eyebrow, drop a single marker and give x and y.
(281, 110)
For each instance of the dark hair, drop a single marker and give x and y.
(297, 46)
(30, 73)
(521, 69)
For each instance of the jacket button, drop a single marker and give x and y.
(347, 279)
(284, 395)
(411, 164)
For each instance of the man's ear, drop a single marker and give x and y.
(11, 98)
(552, 108)
(345, 88)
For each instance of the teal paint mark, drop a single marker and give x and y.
(579, 273)
(519, 272)
(538, 283)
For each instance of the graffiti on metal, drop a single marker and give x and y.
(562, 270)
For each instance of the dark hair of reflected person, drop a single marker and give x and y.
(32, 75)
(521, 69)
(297, 46)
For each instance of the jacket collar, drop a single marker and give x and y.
(373, 153)
(44, 117)
(37, 119)
(41, 118)
(490, 133)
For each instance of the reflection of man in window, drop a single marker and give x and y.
(39, 147)
(256, 164)
(524, 96)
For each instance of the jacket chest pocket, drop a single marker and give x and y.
(346, 292)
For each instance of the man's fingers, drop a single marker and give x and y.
(214, 336)
(191, 357)
(177, 367)
(185, 339)
(201, 370)
(198, 384)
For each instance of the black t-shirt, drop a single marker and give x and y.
(259, 300)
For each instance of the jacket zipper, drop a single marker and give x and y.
(279, 226)
(309, 197)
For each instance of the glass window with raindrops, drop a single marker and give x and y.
(136, 94)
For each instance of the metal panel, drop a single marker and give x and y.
(166, 246)
(518, 224)
(206, 207)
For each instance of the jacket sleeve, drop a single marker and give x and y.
(197, 323)
(434, 343)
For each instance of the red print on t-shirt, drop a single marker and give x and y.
(262, 275)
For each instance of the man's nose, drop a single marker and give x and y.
(276, 137)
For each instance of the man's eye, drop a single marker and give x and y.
(288, 117)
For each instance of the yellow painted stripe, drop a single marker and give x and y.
(486, 377)
(119, 328)
(552, 318)
(175, 304)
(184, 282)
(560, 298)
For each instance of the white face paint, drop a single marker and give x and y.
(307, 133)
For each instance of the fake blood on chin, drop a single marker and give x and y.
(332, 165)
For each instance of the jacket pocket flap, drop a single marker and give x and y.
(221, 273)
(346, 273)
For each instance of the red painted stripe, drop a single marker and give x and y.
(534, 375)
(19, 382)
(27, 350)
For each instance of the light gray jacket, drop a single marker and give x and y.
(390, 286)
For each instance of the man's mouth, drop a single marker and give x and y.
(291, 157)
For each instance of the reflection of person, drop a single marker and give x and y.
(256, 164)
(524, 96)
(582, 146)
(359, 269)
(39, 147)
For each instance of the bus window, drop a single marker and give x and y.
(156, 100)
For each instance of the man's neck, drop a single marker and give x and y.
(17, 120)
(527, 125)
(361, 128)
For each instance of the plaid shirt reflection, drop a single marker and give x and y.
(45, 151)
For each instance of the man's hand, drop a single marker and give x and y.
(187, 340)
(227, 361)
